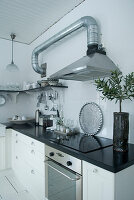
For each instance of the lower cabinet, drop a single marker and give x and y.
(2, 153)
(5, 150)
(28, 164)
(100, 184)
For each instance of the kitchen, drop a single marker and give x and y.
(116, 30)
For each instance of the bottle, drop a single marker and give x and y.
(37, 114)
(41, 121)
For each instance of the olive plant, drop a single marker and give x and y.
(117, 87)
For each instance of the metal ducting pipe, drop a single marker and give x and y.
(92, 39)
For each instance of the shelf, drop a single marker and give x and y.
(48, 87)
(15, 93)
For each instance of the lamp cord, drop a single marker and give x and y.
(12, 52)
(12, 37)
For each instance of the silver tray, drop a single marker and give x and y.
(91, 118)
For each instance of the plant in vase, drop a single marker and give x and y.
(59, 124)
(119, 88)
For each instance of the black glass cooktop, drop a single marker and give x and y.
(81, 142)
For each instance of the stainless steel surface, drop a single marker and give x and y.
(72, 179)
(37, 114)
(92, 38)
(87, 68)
(61, 180)
(62, 158)
(91, 118)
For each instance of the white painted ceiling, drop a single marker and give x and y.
(28, 19)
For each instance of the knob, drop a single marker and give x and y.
(32, 172)
(51, 154)
(95, 170)
(69, 163)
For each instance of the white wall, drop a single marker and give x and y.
(24, 105)
(115, 21)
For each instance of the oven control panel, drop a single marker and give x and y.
(63, 159)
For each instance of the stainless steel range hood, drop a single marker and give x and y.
(87, 68)
(95, 64)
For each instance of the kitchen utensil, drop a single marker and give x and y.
(39, 99)
(46, 107)
(91, 118)
(37, 115)
(53, 96)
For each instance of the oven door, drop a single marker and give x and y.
(61, 183)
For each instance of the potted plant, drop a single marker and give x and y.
(59, 124)
(118, 87)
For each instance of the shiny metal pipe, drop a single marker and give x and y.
(92, 39)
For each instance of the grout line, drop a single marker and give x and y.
(11, 184)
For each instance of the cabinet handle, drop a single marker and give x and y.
(32, 143)
(16, 141)
(95, 170)
(32, 171)
(32, 152)
(16, 135)
(16, 157)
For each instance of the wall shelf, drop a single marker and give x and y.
(15, 93)
(48, 87)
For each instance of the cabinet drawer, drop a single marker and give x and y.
(31, 179)
(36, 183)
(39, 146)
(92, 169)
(29, 155)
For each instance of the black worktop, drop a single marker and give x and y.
(105, 158)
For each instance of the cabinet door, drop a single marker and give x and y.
(28, 164)
(2, 153)
(98, 184)
(8, 152)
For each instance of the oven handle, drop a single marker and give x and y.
(72, 179)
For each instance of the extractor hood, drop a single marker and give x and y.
(94, 65)
(87, 68)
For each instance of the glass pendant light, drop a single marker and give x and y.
(12, 67)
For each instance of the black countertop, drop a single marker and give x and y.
(105, 158)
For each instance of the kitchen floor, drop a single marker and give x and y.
(11, 188)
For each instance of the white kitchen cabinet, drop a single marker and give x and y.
(5, 150)
(2, 153)
(28, 163)
(8, 149)
(100, 184)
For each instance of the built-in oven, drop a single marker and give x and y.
(63, 176)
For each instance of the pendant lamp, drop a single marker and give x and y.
(12, 67)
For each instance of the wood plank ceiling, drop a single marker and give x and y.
(28, 19)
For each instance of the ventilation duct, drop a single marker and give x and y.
(95, 64)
